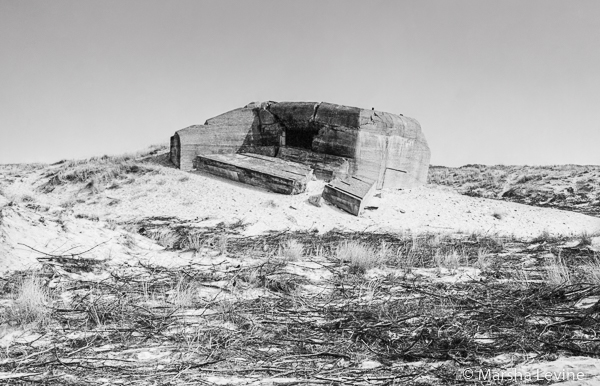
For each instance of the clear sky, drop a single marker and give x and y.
(512, 82)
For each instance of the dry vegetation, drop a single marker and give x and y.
(302, 307)
(358, 326)
(567, 187)
(103, 172)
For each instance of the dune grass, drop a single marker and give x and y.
(31, 302)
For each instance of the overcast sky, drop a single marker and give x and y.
(492, 82)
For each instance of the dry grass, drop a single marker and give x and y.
(221, 243)
(557, 272)
(292, 250)
(359, 256)
(483, 259)
(100, 172)
(31, 302)
(566, 187)
(592, 270)
(262, 317)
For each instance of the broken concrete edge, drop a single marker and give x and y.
(351, 194)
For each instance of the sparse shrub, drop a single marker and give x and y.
(498, 215)
(31, 302)
(359, 256)
(184, 179)
(293, 250)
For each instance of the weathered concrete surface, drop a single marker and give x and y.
(389, 148)
(236, 131)
(274, 174)
(350, 194)
(326, 167)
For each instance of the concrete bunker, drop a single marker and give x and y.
(335, 141)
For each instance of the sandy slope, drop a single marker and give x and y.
(426, 209)
(45, 223)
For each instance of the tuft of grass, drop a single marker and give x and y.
(165, 237)
(557, 272)
(592, 270)
(359, 256)
(194, 242)
(31, 301)
(483, 259)
(542, 237)
(222, 242)
(449, 260)
(283, 283)
(182, 295)
(293, 250)
(585, 239)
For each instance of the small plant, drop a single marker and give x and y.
(557, 272)
(271, 204)
(293, 250)
(27, 198)
(88, 216)
(283, 283)
(222, 241)
(31, 302)
(592, 270)
(129, 240)
(68, 203)
(585, 239)
(194, 242)
(92, 187)
(483, 259)
(359, 256)
(182, 295)
(165, 237)
(542, 237)
(497, 215)
(521, 277)
(450, 260)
